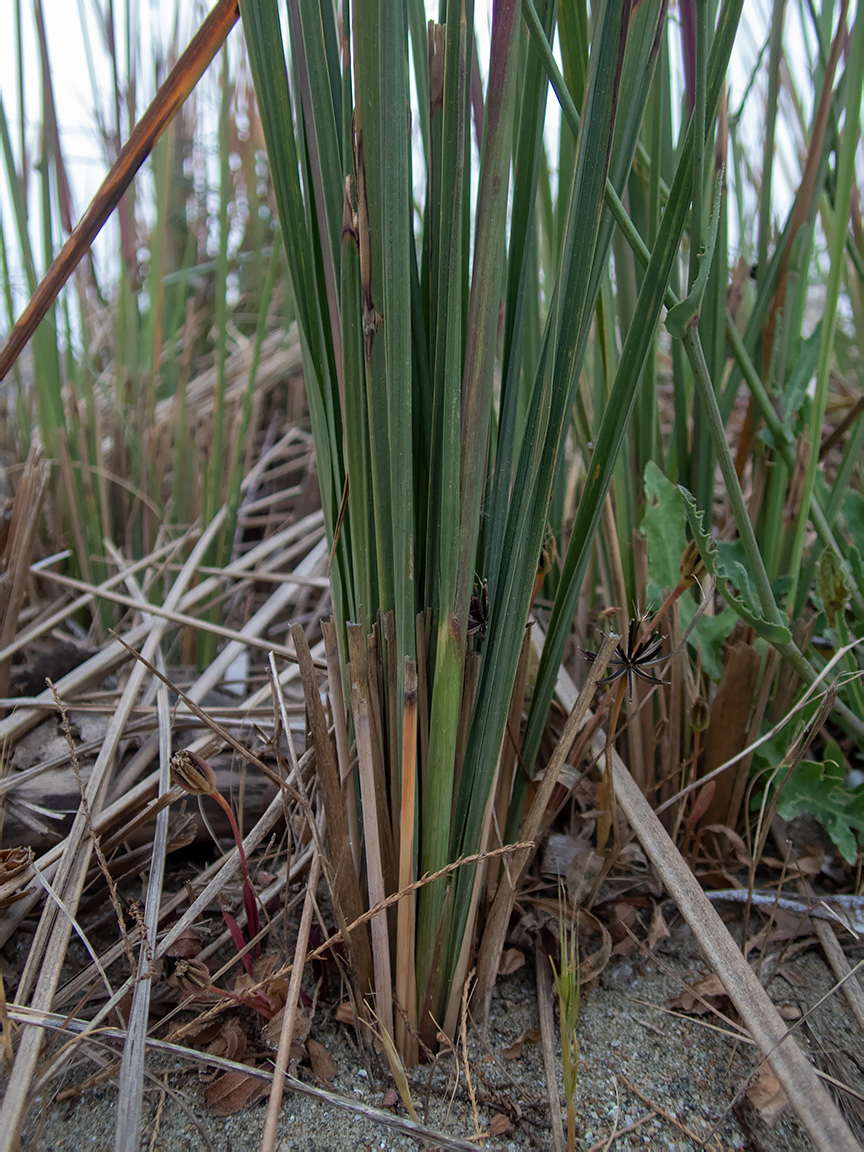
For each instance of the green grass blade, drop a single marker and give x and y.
(550, 407)
(622, 399)
(837, 247)
(397, 254)
(444, 508)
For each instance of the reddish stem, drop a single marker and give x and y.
(248, 892)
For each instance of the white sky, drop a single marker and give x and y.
(154, 23)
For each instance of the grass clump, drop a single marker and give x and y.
(536, 377)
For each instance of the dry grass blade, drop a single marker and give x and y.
(107, 659)
(545, 997)
(139, 799)
(727, 731)
(181, 619)
(48, 950)
(842, 970)
(836, 958)
(178, 84)
(268, 1140)
(747, 752)
(816, 1109)
(132, 1069)
(340, 733)
(347, 899)
(228, 869)
(76, 986)
(46, 623)
(371, 827)
(15, 560)
(406, 988)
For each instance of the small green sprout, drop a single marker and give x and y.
(568, 984)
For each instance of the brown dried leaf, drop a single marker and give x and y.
(499, 1125)
(511, 961)
(199, 1037)
(264, 967)
(783, 925)
(583, 871)
(322, 1066)
(529, 1036)
(13, 898)
(767, 1097)
(391, 1098)
(659, 929)
(14, 861)
(345, 1013)
(631, 856)
(793, 976)
(623, 917)
(272, 1030)
(187, 945)
(233, 1091)
(738, 846)
(810, 859)
(701, 804)
(230, 1042)
(702, 997)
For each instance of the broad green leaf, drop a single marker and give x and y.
(664, 523)
(746, 605)
(820, 790)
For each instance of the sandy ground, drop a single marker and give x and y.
(627, 1036)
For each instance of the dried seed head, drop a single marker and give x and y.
(692, 565)
(700, 714)
(13, 861)
(192, 773)
(191, 976)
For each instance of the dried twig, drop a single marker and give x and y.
(268, 1141)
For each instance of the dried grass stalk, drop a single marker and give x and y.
(48, 951)
(347, 898)
(406, 987)
(373, 827)
(268, 1140)
(16, 557)
(494, 935)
